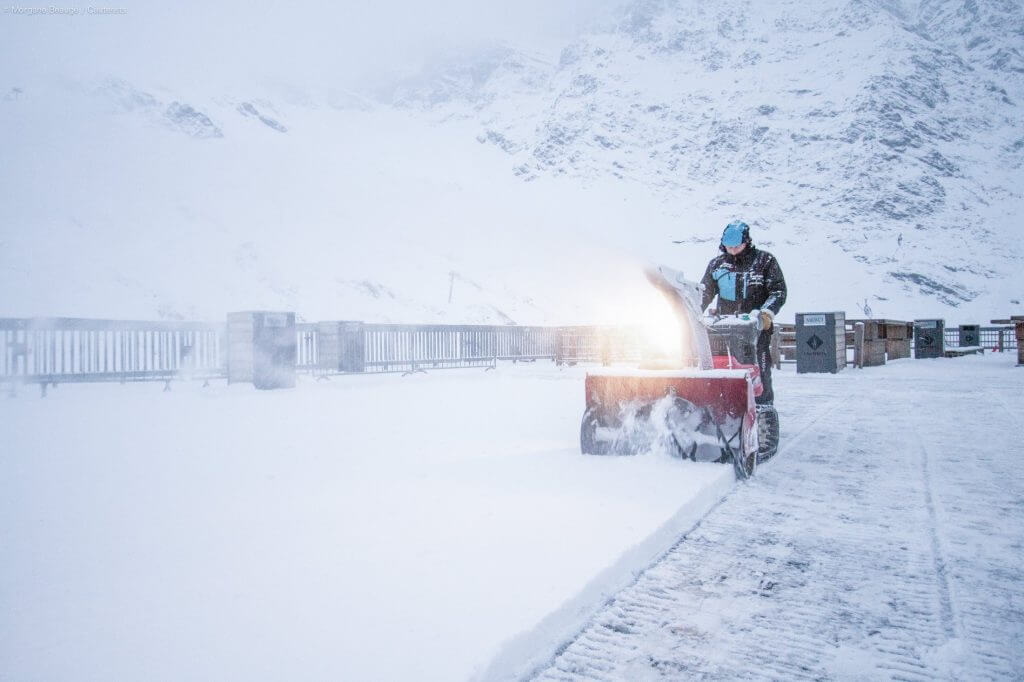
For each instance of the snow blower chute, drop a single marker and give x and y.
(698, 407)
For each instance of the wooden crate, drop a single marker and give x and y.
(874, 352)
(897, 348)
(787, 341)
(897, 331)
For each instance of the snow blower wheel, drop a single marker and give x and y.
(767, 432)
(744, 464)
(590, 444)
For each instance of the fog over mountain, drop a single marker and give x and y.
(463, 163)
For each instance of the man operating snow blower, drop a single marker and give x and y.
(712, 403)
(747, 279)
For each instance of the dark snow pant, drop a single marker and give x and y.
(764, 361)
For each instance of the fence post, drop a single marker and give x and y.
(776, 354)
(1000, 332)
(858, 344)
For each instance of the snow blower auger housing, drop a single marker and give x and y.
(706, 416)
(702, 410)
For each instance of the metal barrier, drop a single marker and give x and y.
(991, 338)
(410, 348)
(48, 351)
(405, 348)
(577, 344)
(527, 344)
(60, 350)
(604, 344)
(308, 355)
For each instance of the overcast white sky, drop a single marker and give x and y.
(320, 43)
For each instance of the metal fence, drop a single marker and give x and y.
(991, 338)
(410, 348)
(390, 348)
(403, 348)
(60, 350)
(604, 344)
(307, 347)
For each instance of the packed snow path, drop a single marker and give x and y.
(885, 541)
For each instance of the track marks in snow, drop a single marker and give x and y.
(850, 555)
(1015, 417)
(791, 441)
(945, 598)
(979, 504)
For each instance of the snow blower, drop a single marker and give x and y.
(700, 407)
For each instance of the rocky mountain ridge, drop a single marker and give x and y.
(878, 123)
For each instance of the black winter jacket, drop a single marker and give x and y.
(753, 279)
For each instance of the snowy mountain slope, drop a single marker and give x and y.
(893, 133)
(875, 147)
(129, 202)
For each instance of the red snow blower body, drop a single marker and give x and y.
(702, 410)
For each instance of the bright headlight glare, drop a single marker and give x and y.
(661, 327)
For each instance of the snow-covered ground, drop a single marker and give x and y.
(373, 527)
(445, 526)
